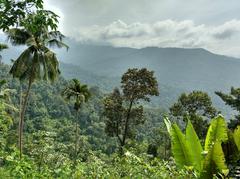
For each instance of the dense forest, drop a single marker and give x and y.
(53, 127)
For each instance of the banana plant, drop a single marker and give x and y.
(188, 152)
(236, 137)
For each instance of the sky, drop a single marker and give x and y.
(210, 24)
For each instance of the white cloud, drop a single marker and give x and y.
(222, 39)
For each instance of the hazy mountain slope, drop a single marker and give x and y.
(177, 69)
(107, 83)
(187, 68)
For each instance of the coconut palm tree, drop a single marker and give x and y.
(37, 32)
(80, 93)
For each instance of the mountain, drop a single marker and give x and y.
(177, 69)
(186, 68)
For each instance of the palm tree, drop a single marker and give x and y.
(80, 93)
(37, 61)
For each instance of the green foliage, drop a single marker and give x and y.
(197, 107)
(232, 100)
(236, 136)
(54, 150)
(217, 134)
(37, 61)
(123, 111)
(139, 84)
(180, 149)
(37, 30)
(12, 11)
(79, 92)
(187, 149)
(194, 144)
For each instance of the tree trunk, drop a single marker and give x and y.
(76, 137)
(126, 125)
(22, 115)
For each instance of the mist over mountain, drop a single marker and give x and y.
(177, 69)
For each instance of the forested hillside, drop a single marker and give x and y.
(106, 112)
(178, 70)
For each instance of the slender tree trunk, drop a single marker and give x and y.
(22, 115)
(76, 137)
(126, 126)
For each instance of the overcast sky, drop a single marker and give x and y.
(210, 24)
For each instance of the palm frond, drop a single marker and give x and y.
(57, 43)
(52, 66)
(80, 93)
(18, 36)
(22, 64)
(56, 35)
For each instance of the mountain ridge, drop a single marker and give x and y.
(177, 69)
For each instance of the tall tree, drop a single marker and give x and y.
(122, 110)
(196, 106)
(233, 100)
(37, 31)
(80, 94)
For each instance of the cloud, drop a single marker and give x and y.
(167, 33)
(194, 23)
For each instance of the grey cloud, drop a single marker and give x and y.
(192, 23)
(225, 34)
(166, 33)
(79, 13)
(227, 30)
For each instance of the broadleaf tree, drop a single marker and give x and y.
(13, 11)
(233, 100)
(197, 107)
(122, 108)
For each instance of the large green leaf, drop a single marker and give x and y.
(236, 136)
(215, 160)
(168, 124)
(217, 132)
(180, 148)
(194, 146)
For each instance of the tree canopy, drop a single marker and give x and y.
(196, 106)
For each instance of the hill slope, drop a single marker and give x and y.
(177, 69)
